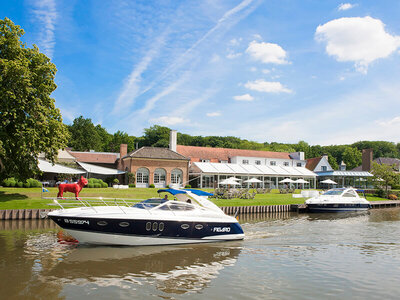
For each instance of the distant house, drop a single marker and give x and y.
(367, 160)
(343, 178)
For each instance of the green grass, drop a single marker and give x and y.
(29, 198)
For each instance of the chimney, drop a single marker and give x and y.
(172, 140)
(123, 150)
(366, 159)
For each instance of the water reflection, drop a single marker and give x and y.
(173, 269)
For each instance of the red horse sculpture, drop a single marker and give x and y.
(72, 187)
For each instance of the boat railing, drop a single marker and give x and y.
(91, 202)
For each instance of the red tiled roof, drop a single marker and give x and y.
(219, 154)
(313, 162)
(95, 157)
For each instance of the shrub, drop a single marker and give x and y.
(380, 193)
(27, 184)
(97, 185)
(13, 182)
(167, 186)
(90, 185)
(152, 186)
(19, 184)
(7, 182)
(392, 197)
(131, 185)
(115, 181)
(34, 182)
(188, 186)
(104, 185)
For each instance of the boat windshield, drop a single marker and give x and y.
(333, 192)
(149, 203)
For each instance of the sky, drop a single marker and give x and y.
(325, 72)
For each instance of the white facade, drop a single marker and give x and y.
(323, 165)
(262, 161)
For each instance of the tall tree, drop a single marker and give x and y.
(29, 121)
(352, 157)
(156, 136)
(385, 175)
(84, 136)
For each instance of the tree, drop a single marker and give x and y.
(352, 157)
(29, 121)
(384, 175)
(156, 136)
(84, 135)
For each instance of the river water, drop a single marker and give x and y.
(284, 256)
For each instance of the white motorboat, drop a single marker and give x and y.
(339, 199)
(154, 221)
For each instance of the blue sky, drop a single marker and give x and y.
(326, 72)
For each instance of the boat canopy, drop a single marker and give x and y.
(199, 192)
(194, 191)
(171, 191)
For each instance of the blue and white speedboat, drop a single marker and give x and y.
(189, 218)
(339, 199)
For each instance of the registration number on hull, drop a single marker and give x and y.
(78, 222)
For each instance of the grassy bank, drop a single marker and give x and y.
(29, 198)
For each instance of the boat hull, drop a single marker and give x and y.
(140, 232)
(99, 238)
(337, 207)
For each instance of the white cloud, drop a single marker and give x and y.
(166, 120)
(233, 55)
(46, 14)
(253, 69)
(345, 6)
(267, 52)
(261, 85)
(257, 37)
(213, 114)
(266, 71)
(235, 42)
(245, 97)
(393, 122)
(360, 40)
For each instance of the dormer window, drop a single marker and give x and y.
(258, 162)
(324, 168)
(245, 161)
(272, 163)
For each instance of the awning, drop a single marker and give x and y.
(99, 170)
(251, 170)
(346, 173)
(47, 167)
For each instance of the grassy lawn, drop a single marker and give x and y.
(25, 198)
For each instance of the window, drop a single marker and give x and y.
(204, 160)
(223, 161)
(324, 168)
(176, 176)
(286, 164)
(298, 164)
(142, 175)
(272, 163)
(159, 176)
(258, 162)
(245, 161)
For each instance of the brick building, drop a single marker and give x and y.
(158, 166)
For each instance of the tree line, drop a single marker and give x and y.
(86, 136)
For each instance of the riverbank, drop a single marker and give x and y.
(31, 198)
